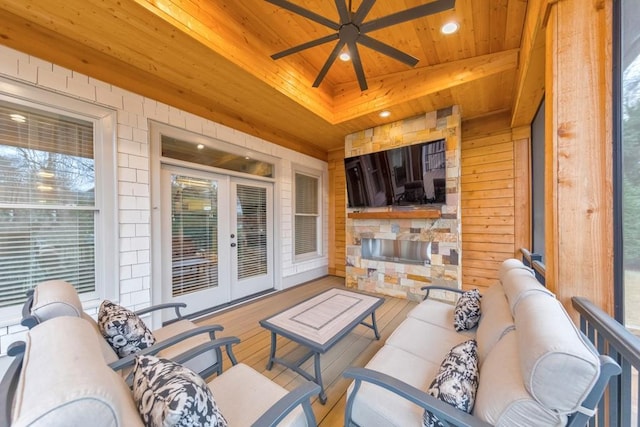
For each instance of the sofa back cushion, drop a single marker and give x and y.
(519, 284)
(501, 399)
(512, 264)
(558, 367)
(65, 382)
(55, 298)
(495, 321)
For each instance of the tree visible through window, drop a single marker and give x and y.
(47, 201)
(630, 168)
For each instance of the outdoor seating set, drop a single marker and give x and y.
(509, 357)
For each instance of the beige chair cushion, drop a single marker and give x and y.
(66, 382)
(519, 284)
(243, 395)
(558, 367)
(495, 321)
(109, 355)
(198, 363)
(502, 399)
(55, 298)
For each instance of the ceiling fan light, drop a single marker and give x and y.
(450, 28)
(344, 56)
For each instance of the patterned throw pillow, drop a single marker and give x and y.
(125, 332)
(467, 311)
(168, 394)
(456, 382)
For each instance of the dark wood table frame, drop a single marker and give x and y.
(316, 349)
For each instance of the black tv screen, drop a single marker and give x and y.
(403, 176)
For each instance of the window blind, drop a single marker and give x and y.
(194, 261)
(252, 231)
(306, 214)
(47, 201)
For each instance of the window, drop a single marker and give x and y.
(51, 199)
(537, 181)
(627, 111)
(307, 214)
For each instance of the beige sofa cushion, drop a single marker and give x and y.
(511, 264)
(377, 407)
(242, 384)
(558, 367)
(436, 312)
(426, 341)
(519, 284)
(54, 388)
(55, 298)
(502, 399)
(495, 321)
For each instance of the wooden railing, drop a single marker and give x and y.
(619, 405)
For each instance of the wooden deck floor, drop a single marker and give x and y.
(353, 350)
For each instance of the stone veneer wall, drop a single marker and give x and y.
(405, 280)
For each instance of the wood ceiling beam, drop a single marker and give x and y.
(529, 88)
(387, 91)
(215, 29)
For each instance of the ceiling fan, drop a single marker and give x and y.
(352, 30)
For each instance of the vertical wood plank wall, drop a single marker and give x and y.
(337, 213)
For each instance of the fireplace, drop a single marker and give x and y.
(395, 250)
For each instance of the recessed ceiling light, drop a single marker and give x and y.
(450, 28)
(344, 56)
(384, 113)
(18, 118)
(200, 146)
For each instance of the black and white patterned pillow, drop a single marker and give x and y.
(168, 394)
(456, 382)
(467, 311)
(125, 332)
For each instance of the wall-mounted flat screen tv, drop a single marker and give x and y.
(402, 176)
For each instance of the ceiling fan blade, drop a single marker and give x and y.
(345, 15)
(357, 65)
(304, 46)
(362, 11)
(408, 15)
(385, 49)
(305, 13)
(328, 63)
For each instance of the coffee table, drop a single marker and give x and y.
(318, 323)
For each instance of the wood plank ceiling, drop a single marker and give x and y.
(212, 58)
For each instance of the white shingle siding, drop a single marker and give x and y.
(133, 167)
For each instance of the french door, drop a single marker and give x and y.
(217, 237)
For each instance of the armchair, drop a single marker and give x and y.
(59, 379)
(56, 298)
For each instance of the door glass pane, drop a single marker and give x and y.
(194, 232)
(630, 68)
(251, 211)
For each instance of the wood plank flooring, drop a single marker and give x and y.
(355, 349)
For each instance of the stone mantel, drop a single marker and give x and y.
(412, 214)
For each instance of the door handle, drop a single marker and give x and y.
(233, 245)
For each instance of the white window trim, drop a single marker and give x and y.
(104, 120)
(319, 175)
